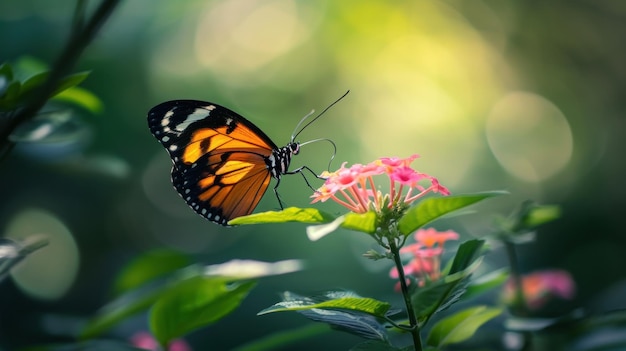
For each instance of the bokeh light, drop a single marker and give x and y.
(46, 274)
(529, 136)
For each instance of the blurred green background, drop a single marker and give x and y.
(525, 96)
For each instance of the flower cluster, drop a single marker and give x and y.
(426, 252)
(538, 287)
(354, 188)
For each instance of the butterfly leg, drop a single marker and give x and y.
(295, 171)
(300, 169)
(280, 202)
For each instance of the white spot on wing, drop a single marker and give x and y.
(173, 147)
(198, 114)
(166, 118)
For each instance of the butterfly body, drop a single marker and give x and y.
(222, 163)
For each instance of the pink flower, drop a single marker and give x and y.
(355, 189)
(538, 287)
(145, 340)
(396, 161)
(405, 175)
(431, 237)
(426, 252)
(438, 188)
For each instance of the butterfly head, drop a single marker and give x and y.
(294, 147)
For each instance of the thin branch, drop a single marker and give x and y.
(76, 45)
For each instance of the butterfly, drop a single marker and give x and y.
(222, 163)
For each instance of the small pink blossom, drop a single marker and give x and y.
(405, 176)
(354, 187)
(426, 252)
(396, 161)
(538, 287)
(431, 237)
(145, 340)
(438, 188)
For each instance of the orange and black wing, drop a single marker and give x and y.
(219, 157)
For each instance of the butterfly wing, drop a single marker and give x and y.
(218, 157)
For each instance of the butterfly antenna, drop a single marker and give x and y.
(331, 142)
(295, 135)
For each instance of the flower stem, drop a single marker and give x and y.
(415, 330)
(516, 275)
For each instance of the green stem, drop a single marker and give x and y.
(415, 330)
(520, 299)
(516, 274)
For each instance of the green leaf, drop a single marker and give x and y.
(52, 135)
(147, 267)
(81, 97)
(53, 127)
(343, 310)
(460, 326)
(27, 66)
(331, 300)
(6, 71)
(427, 299)
(353, 322)
(291, 214)
(540, 214)
(124, 306)
(9, 100)
(142, 298)
(31, 83)
(524, 219)
(70, 81)
(362, 222)
(432, 208)
(194, 304)
(439, 295)
(466, 255)
(486, 282)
